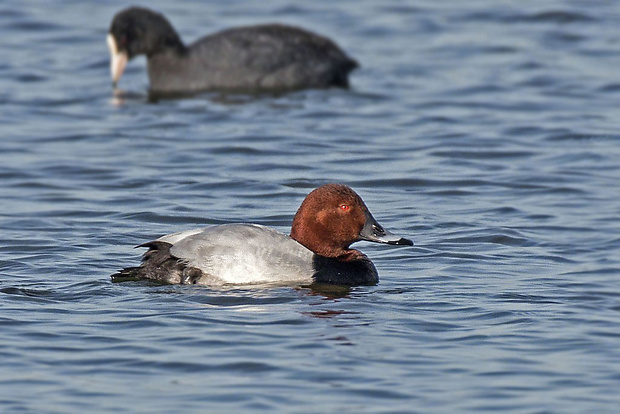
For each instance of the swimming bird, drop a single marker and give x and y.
(262, 58)
(329, 220)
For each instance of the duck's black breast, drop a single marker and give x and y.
(349, 273)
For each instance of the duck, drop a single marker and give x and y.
(317, 251)
(255, 59)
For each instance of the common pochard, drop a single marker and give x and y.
(329, 220)
(271, 57)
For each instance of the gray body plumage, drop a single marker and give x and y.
(243, 253)
(225, 254)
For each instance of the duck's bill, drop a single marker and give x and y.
(374, 232)
(118, 60)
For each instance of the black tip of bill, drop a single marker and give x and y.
(401, 242)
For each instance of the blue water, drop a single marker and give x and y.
(486, 131)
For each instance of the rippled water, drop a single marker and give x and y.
(486, 131)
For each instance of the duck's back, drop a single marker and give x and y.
(229, 253)
(265, 57)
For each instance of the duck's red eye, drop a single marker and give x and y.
(344, 207)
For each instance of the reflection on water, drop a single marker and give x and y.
(329, 291)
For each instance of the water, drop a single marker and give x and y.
(485, 131)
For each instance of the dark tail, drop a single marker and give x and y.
(157, 264)
(126, 275)
(341, 76)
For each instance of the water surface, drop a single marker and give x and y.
(485, 131)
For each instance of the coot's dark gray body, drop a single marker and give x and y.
(255, 58)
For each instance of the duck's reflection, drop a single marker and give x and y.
(325, 314)
(329, 291)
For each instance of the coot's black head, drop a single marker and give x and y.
(137, 31)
